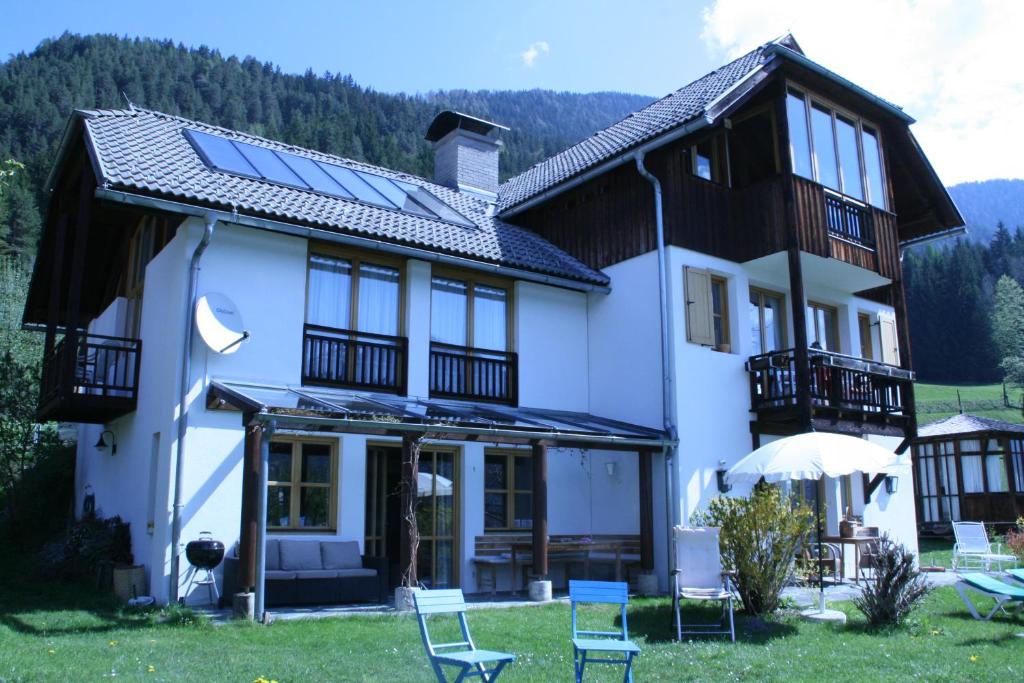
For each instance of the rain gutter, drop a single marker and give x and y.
(186, 372)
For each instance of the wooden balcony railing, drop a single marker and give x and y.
(351, 359)
(479, 374)
(90, 378)
(836, 381)
(849, 220)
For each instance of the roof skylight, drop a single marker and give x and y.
(292, 170)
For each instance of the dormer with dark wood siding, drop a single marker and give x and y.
(774, 163)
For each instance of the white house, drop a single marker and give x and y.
(576, 353)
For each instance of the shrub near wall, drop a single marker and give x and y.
(760, 537)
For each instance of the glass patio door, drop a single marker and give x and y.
(436, 505)
(435, 514)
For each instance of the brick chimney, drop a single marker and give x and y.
(466, 151)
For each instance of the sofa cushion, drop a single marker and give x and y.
(279, 575)
(273, 554)
(300, 555)
(316, 574)
(355, 573)
(341, 554)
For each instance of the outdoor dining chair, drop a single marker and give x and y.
(973, 549)
(462, 654)
(699, 576)
(611, 643)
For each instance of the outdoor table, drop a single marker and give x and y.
(583, 548)
(856, 542)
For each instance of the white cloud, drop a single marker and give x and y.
(953, 65)
(529, 56)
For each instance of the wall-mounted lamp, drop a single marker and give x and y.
(103, 443)
(723, 485)
(611, 466)
(892, 484)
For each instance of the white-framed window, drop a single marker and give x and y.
(835, 148)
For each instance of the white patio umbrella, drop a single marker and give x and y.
(811, 456)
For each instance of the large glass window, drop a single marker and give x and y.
(873, 166)
(822, 327)
(849, 161)
(466, 313)
(301, 485)
(799, 143)
(971, 466)
(822, 138)
(508, 491)
(351, 294)
(835, 149)
(767, 327)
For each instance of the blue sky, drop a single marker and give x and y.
(413, 46)
(952, 64)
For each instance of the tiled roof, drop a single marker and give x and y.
(967, 424)
(673, 110)
(146, 152)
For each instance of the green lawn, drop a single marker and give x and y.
(57, 633)
(938, 401)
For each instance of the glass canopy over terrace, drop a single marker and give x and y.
(325, 410)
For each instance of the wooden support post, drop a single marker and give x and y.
(56, 283)
(410, 536)
(796, 276)
(646, 512)
(83, 217)
(250, 508)
(540, 510)
(899, 304)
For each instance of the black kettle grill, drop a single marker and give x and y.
(204, 554)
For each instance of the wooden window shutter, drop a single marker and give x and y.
(700, 328)
(889, 339)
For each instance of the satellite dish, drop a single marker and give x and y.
(220, 323)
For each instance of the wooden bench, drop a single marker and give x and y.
(514, 550)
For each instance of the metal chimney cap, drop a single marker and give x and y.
(447, 121)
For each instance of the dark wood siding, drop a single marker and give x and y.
(611, 218)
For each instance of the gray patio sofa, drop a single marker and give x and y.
(307, 572)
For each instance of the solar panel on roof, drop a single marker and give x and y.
(356, 185)
(269, 165)
(432, 203)
(314, 176)
(285, 168)
(395, 194)
(220, 153)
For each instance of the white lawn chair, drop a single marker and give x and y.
(699, 576)
(973, 550)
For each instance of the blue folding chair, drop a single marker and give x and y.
(463, 654)
(614, 642)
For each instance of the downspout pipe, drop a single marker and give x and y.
(668, 394)
(186, 373)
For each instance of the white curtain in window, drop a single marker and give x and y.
(995, 471)
(378, 299)
(328, 297)
(448, 311)
(972, 470)
(489, 318)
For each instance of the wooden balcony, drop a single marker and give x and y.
(834, 226)
(354, 360)
(90, 378)
(845, 393)
(474, 374)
